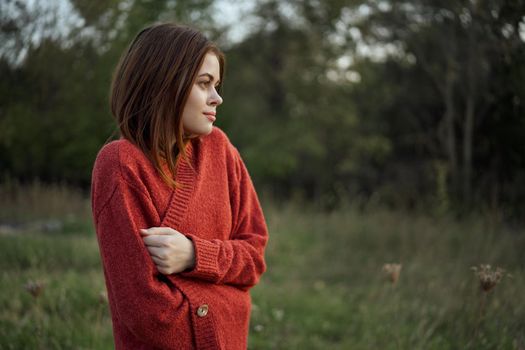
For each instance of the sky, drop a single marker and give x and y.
(235, 12)
(60, 18)
(43, 24)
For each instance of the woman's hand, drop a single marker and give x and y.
(171, 251)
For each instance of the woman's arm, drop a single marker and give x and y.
(149, 306)
(238, 261)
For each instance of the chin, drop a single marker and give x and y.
(202, 131)
(209, 130)
(206, 131)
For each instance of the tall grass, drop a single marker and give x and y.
(324, 288)
(40, 206)
(326, 277)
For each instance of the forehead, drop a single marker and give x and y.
(210, 65)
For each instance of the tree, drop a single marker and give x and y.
(457, 45)
(54, 113)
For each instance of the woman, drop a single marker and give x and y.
(179, 226)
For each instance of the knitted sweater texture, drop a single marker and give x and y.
(215, 205)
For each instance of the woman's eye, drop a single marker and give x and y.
(204, 83)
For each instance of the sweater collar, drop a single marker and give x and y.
(185, 177)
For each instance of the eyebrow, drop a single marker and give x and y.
(210, 76)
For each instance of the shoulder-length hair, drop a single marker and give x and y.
(150, 87)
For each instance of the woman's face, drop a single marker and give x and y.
(198, 114)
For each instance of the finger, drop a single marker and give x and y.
(163, 270)
(157, 252)
(154, 241)
(159, 262)
(158, 231)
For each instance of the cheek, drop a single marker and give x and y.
(196, 100)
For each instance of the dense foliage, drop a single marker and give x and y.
(411, 103)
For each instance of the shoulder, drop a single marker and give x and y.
(118, 162)
(119, 157)
(218, 147)
(217, 138)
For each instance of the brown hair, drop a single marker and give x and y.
(151, 85)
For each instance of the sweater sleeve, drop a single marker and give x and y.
(240, 260)
(145, 302)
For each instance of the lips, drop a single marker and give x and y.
(210, 115)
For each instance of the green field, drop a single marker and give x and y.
(324, 288)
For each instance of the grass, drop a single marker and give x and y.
(327, 284)
(324, 288)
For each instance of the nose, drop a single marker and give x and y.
(215, 99)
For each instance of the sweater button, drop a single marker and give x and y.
(202, 311)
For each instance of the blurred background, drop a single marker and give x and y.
(382, 136)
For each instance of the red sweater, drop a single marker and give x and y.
(216, 207)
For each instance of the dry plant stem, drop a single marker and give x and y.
(393, 294)
(482, 306)
(38, 318)
(488, 278)
(481, 315)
